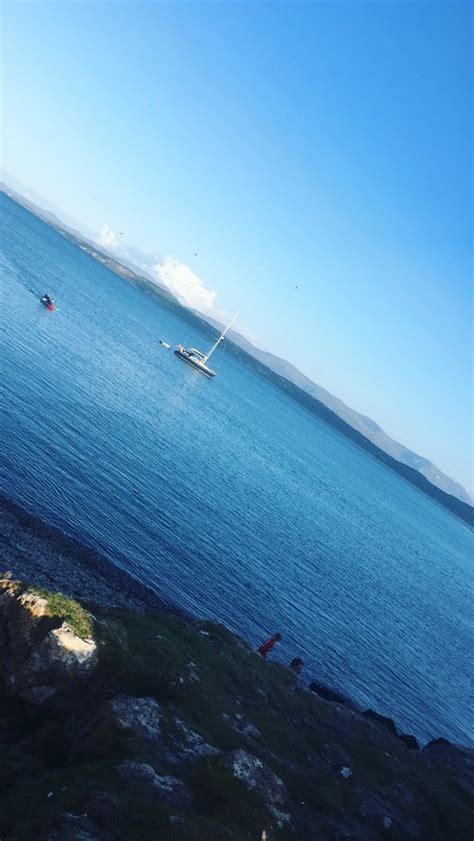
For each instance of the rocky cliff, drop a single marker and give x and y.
(117, 724)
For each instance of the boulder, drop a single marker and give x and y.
(382, 719)
(144, 779)
(255, 775)
(122, 727)
(330, 694)
(141, 718)
(241, 726)
(36, 657)
(185, 745)
(142, 729)
(60, 657)
(439, 741)
(410, 741)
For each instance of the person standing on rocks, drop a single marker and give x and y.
(268, 645)
(297, 665)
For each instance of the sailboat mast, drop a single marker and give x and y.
(220, 337)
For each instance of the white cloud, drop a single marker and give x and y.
(182, 282)
(107, 238)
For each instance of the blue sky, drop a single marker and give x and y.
(319, 145)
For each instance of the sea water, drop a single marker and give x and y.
(225, 495)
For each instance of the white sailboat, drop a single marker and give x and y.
(197, 359)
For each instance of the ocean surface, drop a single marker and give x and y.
(224, 495)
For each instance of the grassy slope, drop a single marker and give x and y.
(147, 655)
(59, 608)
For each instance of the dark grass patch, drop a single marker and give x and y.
(218, 793)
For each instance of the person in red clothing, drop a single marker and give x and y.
(268, 645)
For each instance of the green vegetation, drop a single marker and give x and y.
(214, 682)
(63, 609)
(59, 608)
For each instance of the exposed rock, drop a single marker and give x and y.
(255, 775)
(36, 657)
(127, 725)
(439, 741)
(193, 673)
(61, 657)
(144, 778)
(24, 619)
(382, 719)
(280, 817)
(410, 741)
(185, 744)
(330, 694)
(143, 729)
(140, 717)
(241, 726)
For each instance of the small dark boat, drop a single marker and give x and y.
(48, 302)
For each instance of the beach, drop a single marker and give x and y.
(44, 556)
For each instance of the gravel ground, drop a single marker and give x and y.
(44, 556)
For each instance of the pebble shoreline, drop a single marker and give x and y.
(46, 557)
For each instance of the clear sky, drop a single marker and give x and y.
(320, 145)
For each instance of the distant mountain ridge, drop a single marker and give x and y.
(363, 424)
(361, 429)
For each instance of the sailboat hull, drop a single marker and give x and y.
(195, 363)
(198, 360)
